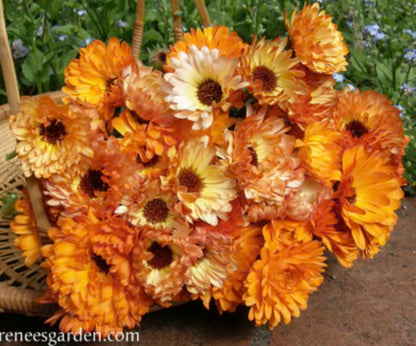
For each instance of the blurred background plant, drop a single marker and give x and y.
(381, 34)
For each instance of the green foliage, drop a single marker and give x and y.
(379, 34)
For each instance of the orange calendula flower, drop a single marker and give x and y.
(260, 157)
(245, 250)
(316, 41)
(320, 151)
(318, 103)
(335, 235)
(368, 195)
(271, 73)
(50, 139)
(82, 281)
(143, 90)
(24, 226)
(95, 77)
(217, 37)
(369, 118)
(100, 186)
(279, 282)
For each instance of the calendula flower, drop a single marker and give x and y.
(370, 119)
(246, 248)
(301, 204)
(144, 93)
(96, 77)
(154, 208)
(280, 281)
(201, 80)
(320, 150)
(24, 225)
(218, 37)
(100, 187)
(202, 186)
(212, 266)
(318, 103)
(260, 156)
(368, 195)
(335, 235)
(316, 41)
(82, 282)
(145, 143)
(271, 73)
(50, 141)
(160, 262)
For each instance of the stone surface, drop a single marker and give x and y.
(374, 302)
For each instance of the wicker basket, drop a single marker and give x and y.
(20, 287)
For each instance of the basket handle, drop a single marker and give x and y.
(7, 66)
(138, 26)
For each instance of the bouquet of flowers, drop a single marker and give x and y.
(223, 177)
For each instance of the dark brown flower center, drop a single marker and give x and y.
(162, 256)
(156, 210)
(152, 162)
(254, 159)
(352, 198)
(54, 132)
(101, 263)
(209, 91)
(138, 119)
(92, 182)
(190, 180)
(356, 128)
(110, 84)
(267, 77)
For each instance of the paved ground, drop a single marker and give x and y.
(372, 303)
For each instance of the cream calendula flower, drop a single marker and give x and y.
(202, 186)
(271, 73)
(200, 81)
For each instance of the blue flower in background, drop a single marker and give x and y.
(81, 12)
(122, 24)
(62, 37)
(87, 41)
(410, 55)
(19, 49)
(374, 31)
(401, 109)
(339, 78)
(351, 87)
(410, 32)
(408, 90)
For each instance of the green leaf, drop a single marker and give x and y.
(385, 75)
(152, 35)
(8, 205)
(33, 65)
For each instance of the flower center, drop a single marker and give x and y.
(190, 180)
(110, 84)
(162, 256)
(352, 198)
(54, 132)
(92, 182)
(254, 159)
(101, 263)
(152, 162)
(267, 77)
(356, 128)
(156, 210)
(209, 91)
(138, 119)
